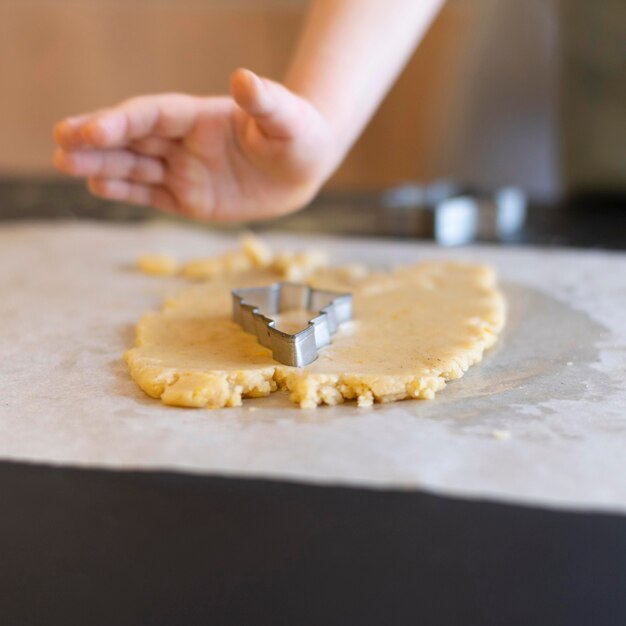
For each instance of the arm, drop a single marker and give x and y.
(268, 148)
(349, 55)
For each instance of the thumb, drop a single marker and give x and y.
(276, 110)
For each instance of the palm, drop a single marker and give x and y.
(224, 167)
(210, 158)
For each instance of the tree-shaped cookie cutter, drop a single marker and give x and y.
(252, 307)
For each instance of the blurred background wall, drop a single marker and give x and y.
(478, 101)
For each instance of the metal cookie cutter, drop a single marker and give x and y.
(252, 305)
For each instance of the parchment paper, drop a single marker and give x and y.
(541, 420)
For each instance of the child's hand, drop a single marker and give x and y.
(263, 152)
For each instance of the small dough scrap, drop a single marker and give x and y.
(298, 266)
(413, 329)
(259, 253)
(213, 268)
(252, 253)
(158, 264)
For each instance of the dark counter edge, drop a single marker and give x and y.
(587, 218)
(91, 547)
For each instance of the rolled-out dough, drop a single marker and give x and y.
(413, 329)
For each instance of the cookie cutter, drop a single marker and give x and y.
(253, 305)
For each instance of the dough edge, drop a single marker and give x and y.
(214, 388)
(217, 389)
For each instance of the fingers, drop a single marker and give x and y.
(110, 164)
(133, 193)
(68, 132)
(153, 146)
(276, 110)
(169, 116)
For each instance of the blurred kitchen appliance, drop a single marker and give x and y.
(454, 214)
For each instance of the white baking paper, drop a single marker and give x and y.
(542, 419)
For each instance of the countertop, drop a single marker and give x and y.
(95, 546)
